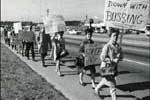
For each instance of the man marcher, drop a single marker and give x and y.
(110, 57)
(44, 41)
(82, 68)
(30, 44)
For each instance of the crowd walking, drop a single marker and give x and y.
(110, 56)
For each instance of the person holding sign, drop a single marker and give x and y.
(59, 49)
(110, 57)
(87, 40)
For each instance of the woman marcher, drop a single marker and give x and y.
(59, 49)
(110, 57)
(82, 68)
(44, 41)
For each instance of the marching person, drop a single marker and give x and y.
(9, 36)
(5, 34)
(12, 39)
(30, 44)
(23, 49)
(82, 68)
(44, 42)
(110, 57)
(59, 49)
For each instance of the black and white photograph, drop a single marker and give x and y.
(75, 50)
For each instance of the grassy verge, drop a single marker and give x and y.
(19, 82)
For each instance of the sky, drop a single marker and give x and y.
(35, 9)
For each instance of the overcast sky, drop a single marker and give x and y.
(35, 9)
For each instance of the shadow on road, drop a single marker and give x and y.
(124, 72)
(146, 98)
(134, 86)
(119, 96)
(69, 72)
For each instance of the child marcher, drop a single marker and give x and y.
(59, 49)
(110, 57)
(82, 68)
(44, 42)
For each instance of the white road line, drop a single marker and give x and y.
(129, 60)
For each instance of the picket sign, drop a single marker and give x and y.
(26, 35)
(17, 26)
(54, 23)
(126, 14)
(92, 54)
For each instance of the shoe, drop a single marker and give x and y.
(93, 87)
(82, 83)
(97, 93)
(59, 73)
(44, 65)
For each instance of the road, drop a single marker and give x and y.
(135, 49)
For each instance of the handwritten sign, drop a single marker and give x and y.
(17, 27)
(54, 23)
(92, 54)
(127, 14)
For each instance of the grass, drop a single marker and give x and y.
(19, 82)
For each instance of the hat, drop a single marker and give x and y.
(60, 33)
(113, 30)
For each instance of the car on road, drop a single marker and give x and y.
(101, 30)
(74, 32)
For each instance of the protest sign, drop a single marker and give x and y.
(54, 23)
(92, 54)
(17, 27)
(126, 14)
(26, 36)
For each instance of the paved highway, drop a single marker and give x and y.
(134, 50)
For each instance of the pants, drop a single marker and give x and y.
(30, 46)
(43, 55)
(111, 83)
(23, 47)
(8, 41)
